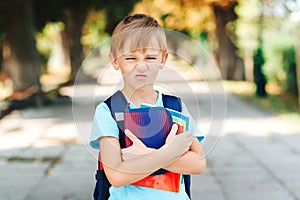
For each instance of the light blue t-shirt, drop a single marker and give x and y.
(105, 125)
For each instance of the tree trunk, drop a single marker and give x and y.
(259, 76)
(65, 48)
(249, 65)
(1, 59)
(73, 30)
(297, 56)
(231, 66)
(22, 60)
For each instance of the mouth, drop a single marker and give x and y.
(141, 76)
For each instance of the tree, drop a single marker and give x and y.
(246, 29)
(115, 11)
(259, 59)
(258, 22)
(20, 21)
(73, 14)
(297, 52)
(231, 65)
(74, 18)
(21, 56)
(23, 18)
(214, 17)
(259, 77)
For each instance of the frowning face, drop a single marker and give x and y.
(140, 67)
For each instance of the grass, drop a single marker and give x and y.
(276, 102)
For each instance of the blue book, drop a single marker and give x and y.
(151, 125)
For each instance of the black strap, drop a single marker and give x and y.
(172, 102)
(117, 104)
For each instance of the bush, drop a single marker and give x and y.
(289, 66)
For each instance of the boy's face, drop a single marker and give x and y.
(140, 67)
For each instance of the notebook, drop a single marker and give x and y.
(152, 126)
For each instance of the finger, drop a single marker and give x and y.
(133, 138)
(130, 156)
(127, 150)
(128, 132)
(190, 138)
(174, 129)
(172, 133)
(126, 157)
(130, 135)
(127, 153)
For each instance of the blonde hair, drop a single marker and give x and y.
(137, 31)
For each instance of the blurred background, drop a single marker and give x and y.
(45, 43)
(254, 42)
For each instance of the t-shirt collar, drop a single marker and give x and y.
(157, 103)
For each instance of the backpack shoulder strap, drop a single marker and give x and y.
(172, 102)
(117, 104)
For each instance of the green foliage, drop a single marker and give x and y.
(280, 66)
(259, 76)
(277, 38)
(248, 12)
(47, 40)
(289, 65)
(48, 37)
(276, 41)
(94, 29)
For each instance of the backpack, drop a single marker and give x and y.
(117, 103)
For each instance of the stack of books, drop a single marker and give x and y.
(152, 126)
(181, 120)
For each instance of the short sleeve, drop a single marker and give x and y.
(103, 125)
(192, 126)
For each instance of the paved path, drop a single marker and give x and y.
(42, 156)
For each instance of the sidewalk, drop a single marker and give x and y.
(258, 157)
(42, 156)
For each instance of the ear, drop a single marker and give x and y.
(164, 59)
(114, 61)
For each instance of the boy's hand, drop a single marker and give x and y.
(136, 149)
(179, 143)
(172, 134)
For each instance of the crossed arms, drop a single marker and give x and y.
(182, 153)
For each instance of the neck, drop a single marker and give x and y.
(142, 95)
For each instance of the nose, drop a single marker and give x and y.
(142, 67)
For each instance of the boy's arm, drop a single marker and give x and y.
(191, 162)
(113, 164)
(121, 172)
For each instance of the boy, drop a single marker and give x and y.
(139, 51)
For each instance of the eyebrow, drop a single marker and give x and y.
(126, 55)
(132, 54)
(152, 54)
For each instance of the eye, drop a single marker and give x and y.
(151, 58)
(130, 58)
